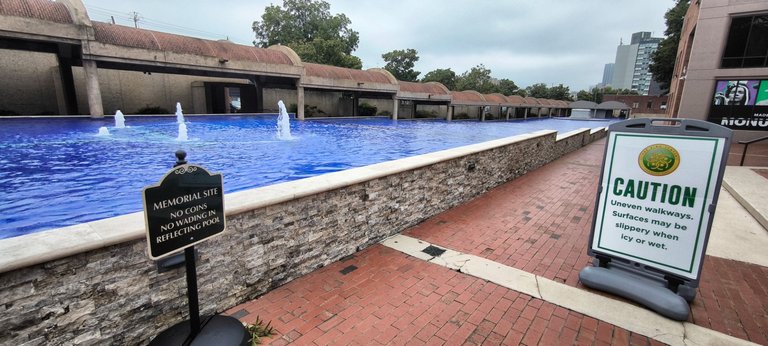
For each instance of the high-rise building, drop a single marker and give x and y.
(630, 71)
(607, 74)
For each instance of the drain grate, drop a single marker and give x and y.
(433, 251)
(348, 270)
(239, 314)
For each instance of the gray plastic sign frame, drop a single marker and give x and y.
(634, 224)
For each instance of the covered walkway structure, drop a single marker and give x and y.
(61, 62)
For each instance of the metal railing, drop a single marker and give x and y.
(746, 144)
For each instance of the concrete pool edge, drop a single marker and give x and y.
(268, 242)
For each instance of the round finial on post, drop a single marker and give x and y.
(181, 156)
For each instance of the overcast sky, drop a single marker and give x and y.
(535, 41)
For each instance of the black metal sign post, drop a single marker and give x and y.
(658, 191)
(186, 208)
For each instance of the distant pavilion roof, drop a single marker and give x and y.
(430, 92)
(531, 101)
(433, 88)
(335, 72)
(546, 102)
(612, 105)
(46, 10)
(516, 100)
(467, 97)
(582, 104)
(120, 35)
(496, 98)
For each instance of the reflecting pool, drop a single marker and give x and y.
(56, 172)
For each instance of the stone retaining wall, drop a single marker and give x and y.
(114, 294)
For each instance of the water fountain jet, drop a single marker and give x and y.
(179, 114)
(283, 122)
(119, 120)
(182, 132)
(103, 131)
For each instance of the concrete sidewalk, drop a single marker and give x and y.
(510, 276)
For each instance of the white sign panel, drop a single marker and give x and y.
(656, 191)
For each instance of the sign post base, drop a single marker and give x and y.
(644, 289)
(215, 330)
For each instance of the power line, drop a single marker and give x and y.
(149, 23)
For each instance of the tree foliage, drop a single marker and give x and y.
(596, 94)
(538, 90)
(663, 59)
(560, 92)
(507, 87)
(477, 78)
(401, 62)
(445, 76)
(557, 92)
(307, 27)
(584, 95)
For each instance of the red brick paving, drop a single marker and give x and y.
(538, 223)
(394, 299)
(762, 172)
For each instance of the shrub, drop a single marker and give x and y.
(367, 109)
(462, 115)
(426, 114)
(311, 111)
(385, 113)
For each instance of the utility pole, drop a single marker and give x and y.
(136, 18)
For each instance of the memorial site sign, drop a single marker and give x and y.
(186, 208)
(655, 199)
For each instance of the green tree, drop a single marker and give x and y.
(400, 63)
(594, 95)
(307, 27)
(663, 59)
(584, 95)
(445, 76)
(559, 92)
(477, 78)
(538, 90)
(328, 52)
(507, 87)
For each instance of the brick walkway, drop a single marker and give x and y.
(538, 223)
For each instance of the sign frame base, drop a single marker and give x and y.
(647, 290)
(215, 330)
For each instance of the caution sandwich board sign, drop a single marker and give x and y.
(657, 196)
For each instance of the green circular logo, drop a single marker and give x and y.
(659, 159)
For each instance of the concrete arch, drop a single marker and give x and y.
(295, 59)
(389, 75)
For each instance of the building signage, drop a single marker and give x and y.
(654, 203)
(740, 104)
(186, 208)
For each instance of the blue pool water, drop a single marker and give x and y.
(56, 172)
